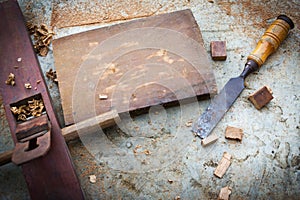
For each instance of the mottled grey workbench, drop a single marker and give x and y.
(265, 165)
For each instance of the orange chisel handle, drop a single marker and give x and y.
(271, 39)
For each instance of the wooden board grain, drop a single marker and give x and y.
(137, 64)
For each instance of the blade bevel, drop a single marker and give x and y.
(218, 107)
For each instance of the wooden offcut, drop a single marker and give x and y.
(209, 140)
(261, 97)
(218, 50)
(224, 193)
(223, 165)
(85, 127)
(176, 78)
(234, 133)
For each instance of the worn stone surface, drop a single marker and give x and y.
(264, 166)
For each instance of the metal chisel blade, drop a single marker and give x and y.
(218, 107)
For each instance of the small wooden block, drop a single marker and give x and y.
(234, 133)
(261, 97)
(224, 193)
(223, 165)
(209, 140)
(218, 50)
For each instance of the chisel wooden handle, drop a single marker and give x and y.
(271, 39)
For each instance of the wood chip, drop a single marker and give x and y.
(27, 85)
(234, 133)
(189, 123)
(147, 152)
(261, 97)
(224, 193)
(92, 178)
(218, 50)
(223, 165)
(51, 74)
(103, 96)
(43, 51)
(136, 148)
(209, 140)
(10, 80)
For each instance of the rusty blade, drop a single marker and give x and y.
(218, 107)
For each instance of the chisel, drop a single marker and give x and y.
(267, 45)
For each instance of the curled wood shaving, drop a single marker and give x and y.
(11, 79)
(147, 152)
(27, 85)
(135, 150)
(52, 75)
(92, 178)
(42, 38)
(189, 123)
(33, 108)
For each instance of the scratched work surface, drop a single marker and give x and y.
(168, 160)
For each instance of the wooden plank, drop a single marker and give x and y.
(72, 132)
(166, 68)
(223, 165)
(51, 176)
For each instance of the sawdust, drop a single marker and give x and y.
(69, 13)
(252, 10)
(34, 11)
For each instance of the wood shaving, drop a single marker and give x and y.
(136, 148)
(11, 79)
(52, 75)
(33, 108)
(147, 152)
(27, 85)
(189, 123)
(92, 178)
(42, 38)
